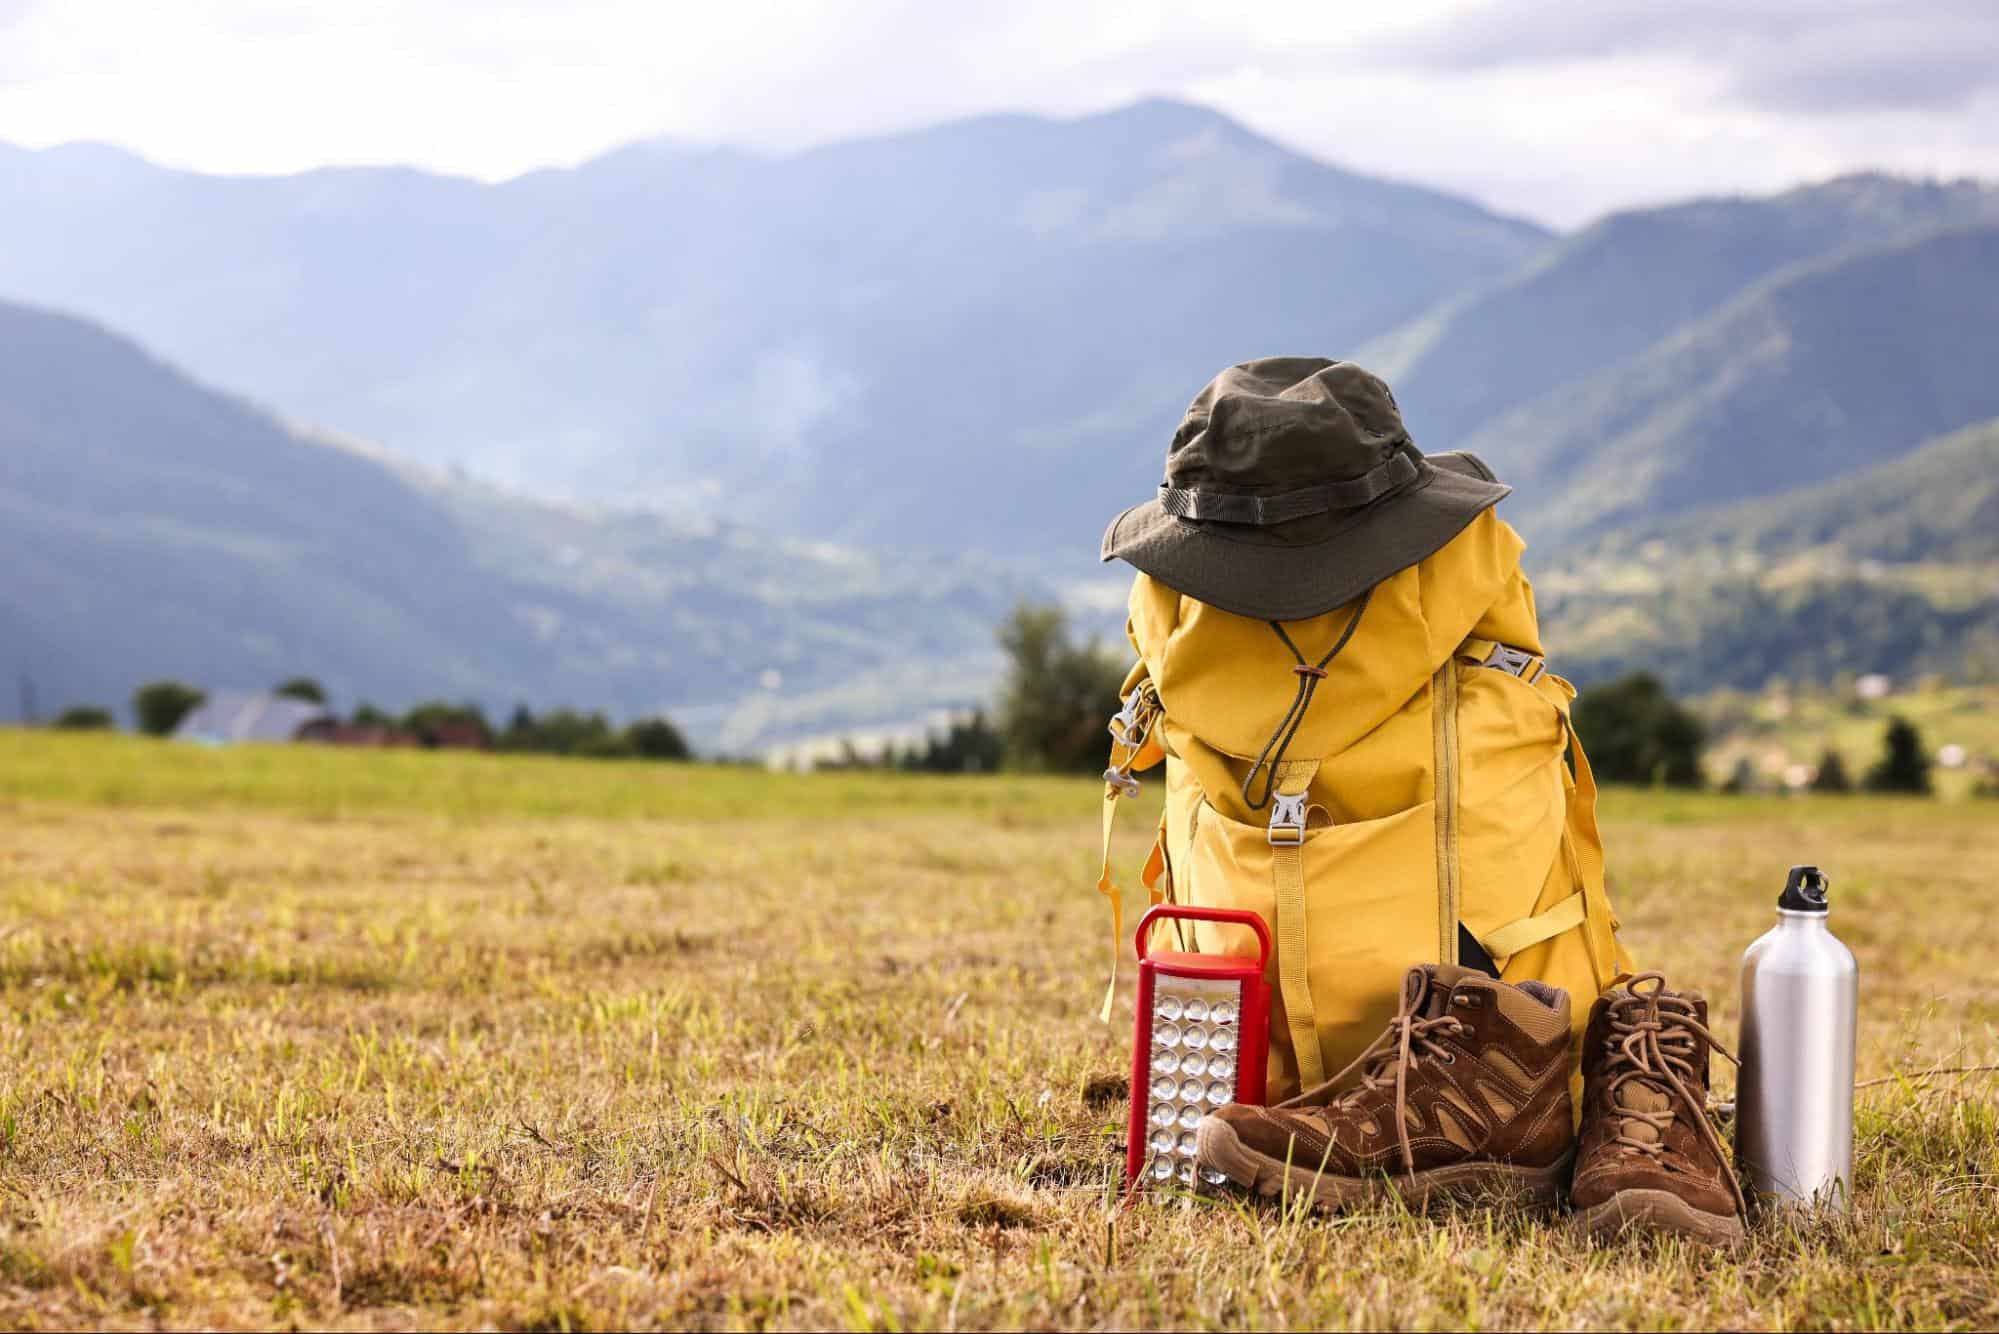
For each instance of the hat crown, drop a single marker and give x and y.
(1292, 488)
(1281, 423)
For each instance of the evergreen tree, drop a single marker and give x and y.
(1831, 776)
(301, 687)
(1636, 733)
(1058, 694)
(83, 718)
(656, 739)
(968, 746)
(160, 705)
(1904, 765)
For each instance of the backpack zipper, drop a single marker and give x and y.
(1444, 721)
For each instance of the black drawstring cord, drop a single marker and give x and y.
(1309, 676)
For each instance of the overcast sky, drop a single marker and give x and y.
(1556, 110)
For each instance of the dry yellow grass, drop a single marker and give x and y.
(540, 1044)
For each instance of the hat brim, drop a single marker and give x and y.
(1275, 582)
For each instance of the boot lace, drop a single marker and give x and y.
(1655, 1041)
(1408, 1038)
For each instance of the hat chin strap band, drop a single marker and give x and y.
(1228, 507)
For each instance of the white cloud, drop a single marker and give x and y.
(1501, 100)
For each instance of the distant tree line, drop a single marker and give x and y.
(1636, 733)
(83, 718)
(1054, 702)
(968, 745)
(1904, 765)
(558, 732)
(568, 732)
(158, 707)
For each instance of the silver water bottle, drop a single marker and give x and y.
(1794, 1109)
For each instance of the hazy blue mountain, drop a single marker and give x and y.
(150, 527)
(1610, 291)
(1937, 504)
(1821, 370)
(977, 335)
(1895, 569)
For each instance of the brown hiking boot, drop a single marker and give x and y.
(1649, 1156)
(1467, 1090)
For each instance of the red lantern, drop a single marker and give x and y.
(1200, 1042)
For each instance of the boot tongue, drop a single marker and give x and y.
(1426, 994)
(1426, 988)
(1641, 1096)
(1648, 1090)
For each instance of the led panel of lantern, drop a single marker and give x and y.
(1202, 1018)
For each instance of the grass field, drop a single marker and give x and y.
(293, 1036)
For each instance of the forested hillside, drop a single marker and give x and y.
(1893, 570)
(1817, 373)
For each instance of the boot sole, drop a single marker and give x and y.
(1656, 1211)
(1217, 1146)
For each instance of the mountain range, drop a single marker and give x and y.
(681, 421)
(1615, 288)
(842, 343)
(150, 527)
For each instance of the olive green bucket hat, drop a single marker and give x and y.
(1292, 488)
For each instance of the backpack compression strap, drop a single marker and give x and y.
(1286, 785)
(1133, 748)
(1290, 813)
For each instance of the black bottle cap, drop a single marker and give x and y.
(1804, 891)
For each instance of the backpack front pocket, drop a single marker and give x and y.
(1511, 797)
(1352, 907)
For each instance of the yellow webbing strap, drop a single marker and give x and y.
(1107, 888)
(1287, 868)
(1141, 715)
(1506, 941)
(1157, 867)
(1585, 844)
(1600, 924)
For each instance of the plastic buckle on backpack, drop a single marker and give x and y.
(1512, 661)
(1287, 820)
(1122, 781)
(1125, 728)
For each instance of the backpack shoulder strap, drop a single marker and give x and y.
(1135, 747)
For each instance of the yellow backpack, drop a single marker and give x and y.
(1384, 784)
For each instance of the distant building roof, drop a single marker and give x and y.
(228, 717)
(331, 731)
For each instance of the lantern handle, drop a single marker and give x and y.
(1239, 916)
